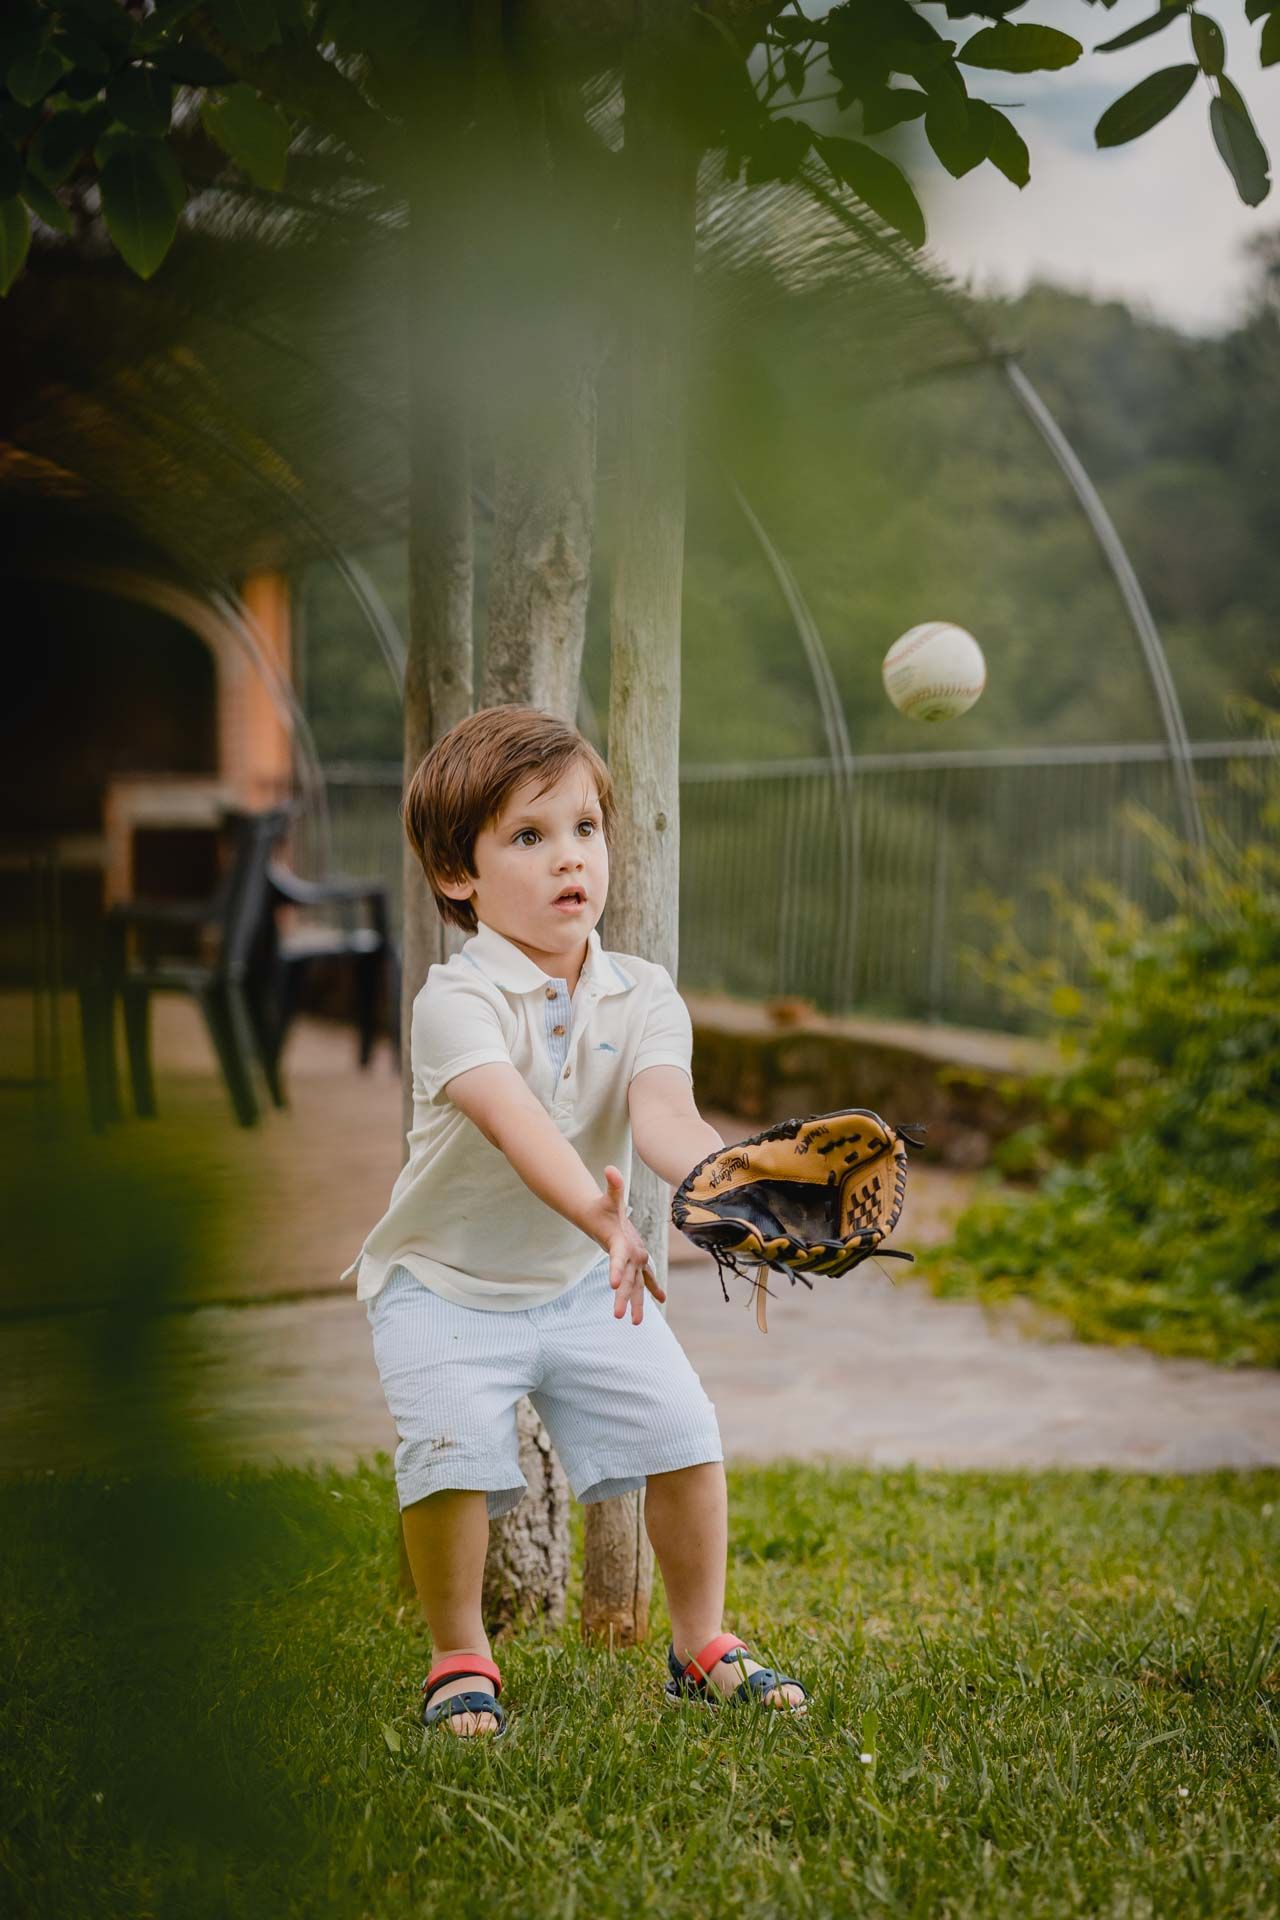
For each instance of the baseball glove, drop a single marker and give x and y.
(817, 1195)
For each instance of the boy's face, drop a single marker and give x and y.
(542, 844)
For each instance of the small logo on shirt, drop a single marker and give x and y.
(605, 1046)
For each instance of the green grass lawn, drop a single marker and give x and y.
(1049, 1694)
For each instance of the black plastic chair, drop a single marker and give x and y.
(367, 948)
(221, 985)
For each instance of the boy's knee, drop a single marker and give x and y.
(708, 1472)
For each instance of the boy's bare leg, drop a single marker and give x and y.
(446, 1537)
(687, 1516)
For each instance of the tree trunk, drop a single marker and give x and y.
(540, 572)
(644, 698)
(544, 480)
(439, 674)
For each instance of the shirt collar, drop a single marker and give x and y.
(515, 972)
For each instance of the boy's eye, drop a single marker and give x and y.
(534, 831)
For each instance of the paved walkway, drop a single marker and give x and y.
(868, 1369)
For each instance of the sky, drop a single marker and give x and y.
(1157, 222)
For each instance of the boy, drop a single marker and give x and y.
(500, 1268)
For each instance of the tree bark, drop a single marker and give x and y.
(644, 698)
(542, 419)
(439, 674)
(540, 571)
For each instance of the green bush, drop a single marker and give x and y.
(1169, 1233)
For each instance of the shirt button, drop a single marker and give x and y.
(566, 1073)
(557, 1029)
(551, 993)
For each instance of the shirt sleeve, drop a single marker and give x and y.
(454, 1029)
(667, 1039)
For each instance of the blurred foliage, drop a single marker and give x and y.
(95, 93)
(1169, 1235)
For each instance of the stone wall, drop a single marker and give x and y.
(970, 1089)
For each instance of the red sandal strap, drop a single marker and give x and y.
(458, 1663)
(715, 1650)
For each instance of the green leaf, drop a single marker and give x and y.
(62, 139)
(789, 26)
(953, 133)
(141, 98)
(250, 24)
(104, 18)
(1152, 24)
(875, 179)
(890, 107)
(918, 58)
(115, 140)
(15, 238)
(254, 133)
(1006, 148)
(191, 67)
(392, 1737)
(1206, 38)
(1237, 141)
(82, 50)
(16, 122)
(1254, 9)
(78, 85)
(1270, 43)
(10, 171)
(1019, 49)
(154, 31)
(19, 36)
(30, 78)
(1145, 105)
(44, 201)
(142, 196)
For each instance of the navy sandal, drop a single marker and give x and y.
(690, 1682)
(471, 1664)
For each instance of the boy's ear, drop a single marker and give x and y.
(456, 889)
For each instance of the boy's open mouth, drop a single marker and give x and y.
(571, 897)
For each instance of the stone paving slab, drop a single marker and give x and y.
(876, 1372)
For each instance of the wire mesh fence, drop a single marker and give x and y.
(860, 886)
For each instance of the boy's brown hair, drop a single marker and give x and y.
(464, 782)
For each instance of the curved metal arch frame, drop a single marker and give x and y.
(1086, 494)
(839, 748)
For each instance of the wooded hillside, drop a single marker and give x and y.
(938, 501)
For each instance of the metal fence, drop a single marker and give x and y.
(859, 886)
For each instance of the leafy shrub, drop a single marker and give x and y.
(1169, 1233)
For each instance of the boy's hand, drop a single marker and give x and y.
(629, 1269)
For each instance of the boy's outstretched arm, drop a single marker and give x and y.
(499, 1101)
(668, 1132)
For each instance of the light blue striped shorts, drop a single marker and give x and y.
(619, 1401)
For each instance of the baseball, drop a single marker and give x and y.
(934, 672)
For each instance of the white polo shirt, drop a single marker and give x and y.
(461, 1219)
